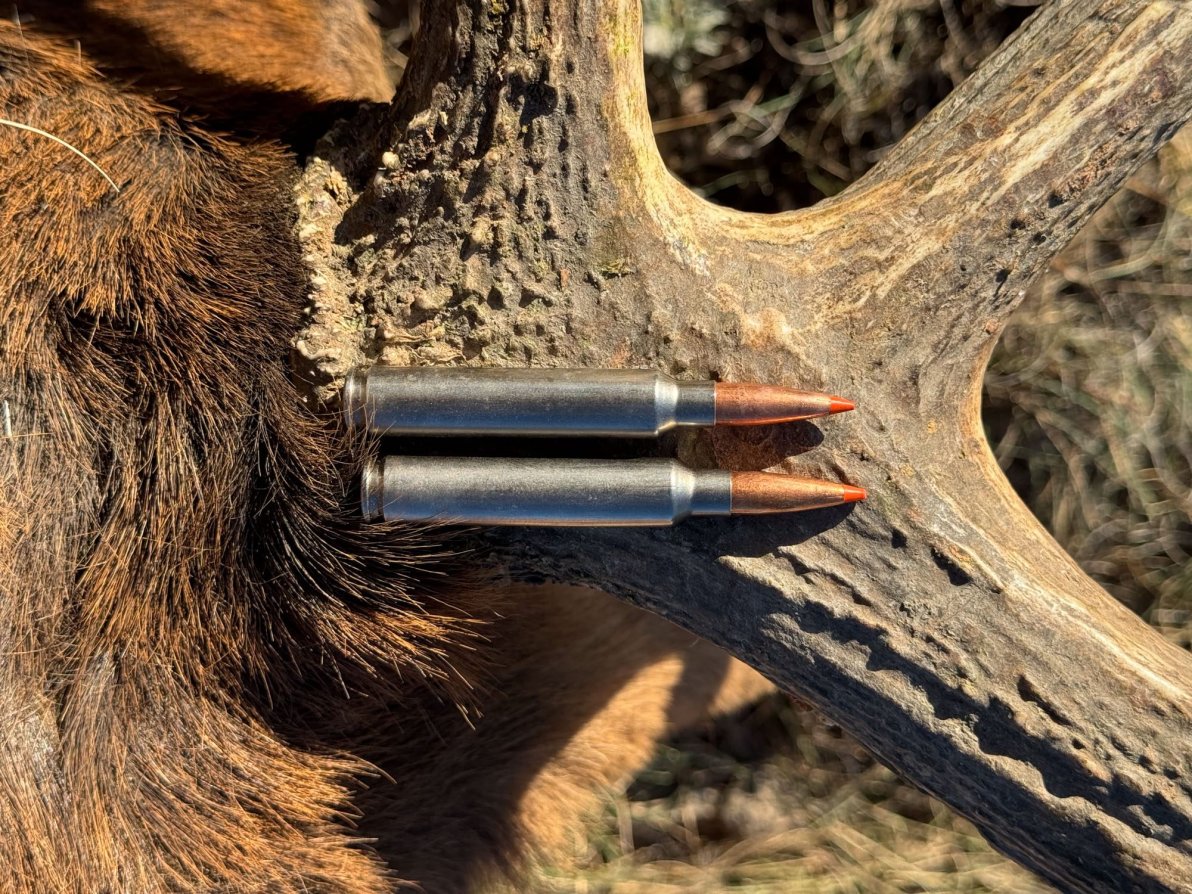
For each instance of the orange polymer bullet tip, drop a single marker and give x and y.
(840, 404)
(852, 494)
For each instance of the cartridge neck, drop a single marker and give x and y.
(695, 403)
(702, 492)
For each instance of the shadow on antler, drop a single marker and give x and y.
(522, 216)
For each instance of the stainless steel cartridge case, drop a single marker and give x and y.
(557, 492)
(582, 402)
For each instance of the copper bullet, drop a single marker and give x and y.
(746, 404)
(758, 493)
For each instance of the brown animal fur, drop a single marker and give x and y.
(212, 676)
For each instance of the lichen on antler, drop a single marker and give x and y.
(511, 209)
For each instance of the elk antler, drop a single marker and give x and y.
(522, 215)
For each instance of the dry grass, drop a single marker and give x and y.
(771, 105)
(778, 801)
(1089, 397)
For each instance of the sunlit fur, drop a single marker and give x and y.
(213, 676)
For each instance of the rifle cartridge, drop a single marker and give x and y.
(627, 403)
(578, 492)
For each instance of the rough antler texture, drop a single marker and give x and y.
(520, 214)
